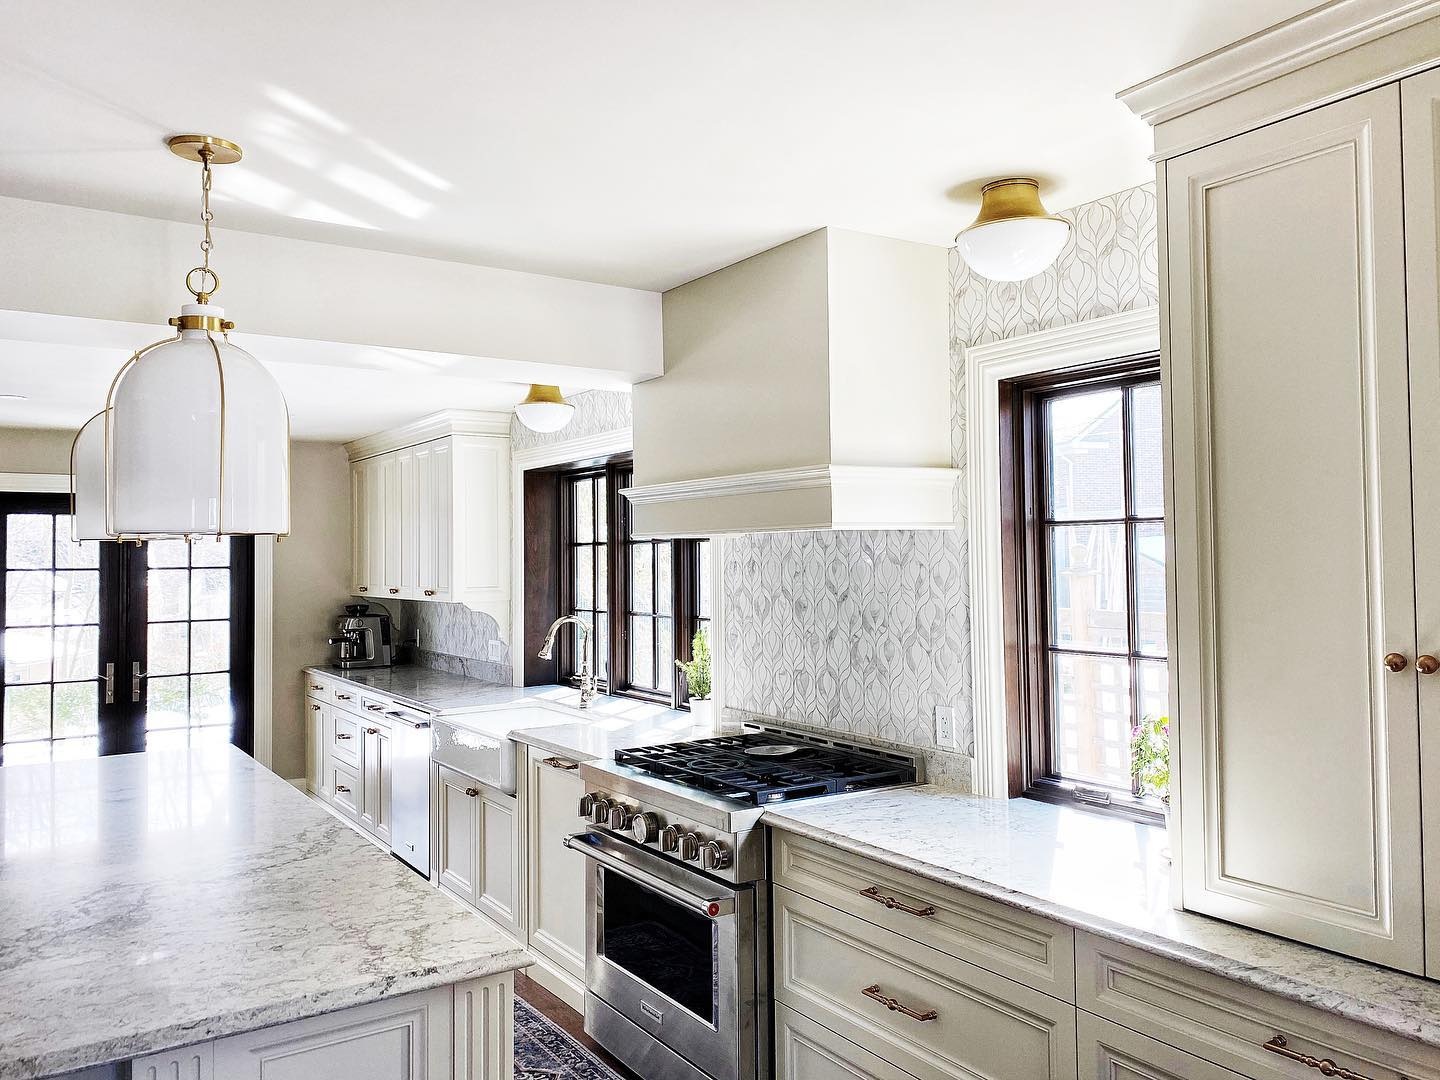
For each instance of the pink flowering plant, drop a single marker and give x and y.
(1150, 757)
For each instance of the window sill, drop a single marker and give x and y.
(1058, 793)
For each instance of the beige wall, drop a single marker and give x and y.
(312, 566)
(312, 581)
(32, 450)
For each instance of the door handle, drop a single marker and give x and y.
(109, 684)
(135, 676)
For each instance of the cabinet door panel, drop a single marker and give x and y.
(409, 523)
(375, 811)
(458, 841)
(317, 740)
(405, 1039)
(1420, 114)
(374, 542)
(557, 874)
(496, 893)
(390, 523)
(359, 523)
(1292, 531)
(1111, 1052)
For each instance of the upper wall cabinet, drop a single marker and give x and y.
(807, 387)
(1302, 383)
(430, 512)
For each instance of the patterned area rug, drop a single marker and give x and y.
(545, 1052)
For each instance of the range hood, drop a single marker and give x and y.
(806, 387)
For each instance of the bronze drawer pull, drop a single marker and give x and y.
(342, 787)
(315, 707)
(343, 735)
(364, 588)
(372, 731)
(560, 763)
(317, 686)
(472, 792)
(1278, 1045)
(874, 994)
(873, 893)
(429, 592)
(374, 708)
(342, 697)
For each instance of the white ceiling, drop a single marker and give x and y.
(63, 367)
(637, 142)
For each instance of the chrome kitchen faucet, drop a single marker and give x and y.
(587, 679)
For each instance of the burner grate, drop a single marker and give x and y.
(728, 766)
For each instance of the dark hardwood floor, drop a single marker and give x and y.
(567, 1019)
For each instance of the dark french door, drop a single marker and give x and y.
(116, 648)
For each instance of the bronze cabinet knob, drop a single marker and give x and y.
(1395, 662)
(1427, 664)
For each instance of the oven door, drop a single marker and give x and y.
(673, 952)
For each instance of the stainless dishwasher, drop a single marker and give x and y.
(410, 786)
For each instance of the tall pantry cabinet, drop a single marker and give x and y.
(1301, 357)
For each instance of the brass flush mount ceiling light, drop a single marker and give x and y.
(194, 439)
(545, 409)
(1013, 237)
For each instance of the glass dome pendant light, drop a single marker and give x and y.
(194, 439)
(1013, 237)
(544, 409)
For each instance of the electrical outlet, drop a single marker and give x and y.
(945, 726)
(497, 651)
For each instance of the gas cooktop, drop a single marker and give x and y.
(764, 767)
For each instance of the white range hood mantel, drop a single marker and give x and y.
(807, 387)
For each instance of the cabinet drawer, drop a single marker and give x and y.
(934, 1016)
(317, 685)
(345, 789)
(1111, 1052)
(1229, 1024)
(1024, 947)
(345, 696)
(373, 708)
(345, 735)
(805, 1050)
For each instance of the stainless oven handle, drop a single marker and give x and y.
(710, 907)
(419, 724)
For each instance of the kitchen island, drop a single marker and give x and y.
(192, 898)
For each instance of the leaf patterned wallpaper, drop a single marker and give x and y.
(864, 633)
(595, 411)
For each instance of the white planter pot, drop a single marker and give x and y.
(702, 711)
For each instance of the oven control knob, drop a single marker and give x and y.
(670, 838)
(714, 856)
(643, 827)
(587, 804)
(689, 847)
(600, 811)
(619, 819)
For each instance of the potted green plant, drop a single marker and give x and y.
(1150, 760)
(697, 678)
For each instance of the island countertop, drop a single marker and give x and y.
(159, 899)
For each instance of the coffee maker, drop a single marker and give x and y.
(365, 640)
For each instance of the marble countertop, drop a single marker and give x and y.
(154, 900)
(1106, 876)
(551, 718)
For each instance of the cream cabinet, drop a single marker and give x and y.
(459, 1032)
(1288, 381)
(430, 514)
(1110, 1052)
(375, 780)
(478, 849)
(555, 875)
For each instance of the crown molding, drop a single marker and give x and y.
(569, 451)
(1307, 39)
(435, 426)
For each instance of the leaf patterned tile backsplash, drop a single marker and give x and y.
(865, 633)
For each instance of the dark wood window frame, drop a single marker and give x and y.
(550, 585)
(1024, 481)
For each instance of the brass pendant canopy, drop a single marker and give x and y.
(539, 392)
(194, 147)
(1012, 197)
(544, 409)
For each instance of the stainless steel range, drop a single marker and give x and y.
(678, 934)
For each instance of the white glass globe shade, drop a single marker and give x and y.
(87, 482)
(544, 416)
(168, 472)
(1015, 249)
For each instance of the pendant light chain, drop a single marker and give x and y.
(206, 215)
